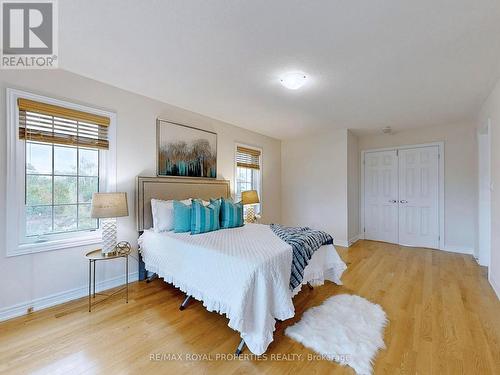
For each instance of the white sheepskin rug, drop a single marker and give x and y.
(346, 329)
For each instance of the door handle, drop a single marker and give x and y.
(403, 201)
(393, 201)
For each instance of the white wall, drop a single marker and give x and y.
(352, 187)
(50, 277)
(460, 153)
(314, 183)
(491, 110)
(483, 245)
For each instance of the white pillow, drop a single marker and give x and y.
(163, 214)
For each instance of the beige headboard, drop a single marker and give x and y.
(167, 188)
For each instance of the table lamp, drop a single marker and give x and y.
(109, 206)
(250, 197)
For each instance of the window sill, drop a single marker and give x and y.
(59, 244)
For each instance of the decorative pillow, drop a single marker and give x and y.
(204, 218)
(182, 217)
(218, 200)
(231, 214)
(163, 214)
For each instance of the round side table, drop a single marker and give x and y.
(95, 256)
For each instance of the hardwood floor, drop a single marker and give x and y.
(444, 319)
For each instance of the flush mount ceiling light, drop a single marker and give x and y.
(293, 80)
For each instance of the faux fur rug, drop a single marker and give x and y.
(346, 329)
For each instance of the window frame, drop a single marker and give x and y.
(16, 241)
(261, 170)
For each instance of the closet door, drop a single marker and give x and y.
(419, 197)
(381, 196)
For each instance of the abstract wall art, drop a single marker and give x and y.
(186, 151)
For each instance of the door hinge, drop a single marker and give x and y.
(397, 152)
(364, 230)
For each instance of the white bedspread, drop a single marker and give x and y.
(243, 273)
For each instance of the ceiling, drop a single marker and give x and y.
(370, 63)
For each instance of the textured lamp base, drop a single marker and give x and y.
(250, 215)
(108, 236)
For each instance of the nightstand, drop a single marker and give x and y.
(95, 256)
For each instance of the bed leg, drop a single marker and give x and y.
(310, 286)
(142, 268)
(184, 304)
(240, 348)
(152, 277)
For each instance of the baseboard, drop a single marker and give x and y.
(354, 239)
(495, 287)
(478, 260)
(342, 243)
(459, 249)
(58, 298)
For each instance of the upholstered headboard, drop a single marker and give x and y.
(179, 188)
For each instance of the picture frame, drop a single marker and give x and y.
(185, 151)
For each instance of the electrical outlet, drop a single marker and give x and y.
(30, 310)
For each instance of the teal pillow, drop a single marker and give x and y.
(231, 214)
(204, 219)
(218, 200)
(182, 217)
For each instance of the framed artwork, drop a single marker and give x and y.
(185, 151)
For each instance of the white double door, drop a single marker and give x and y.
(401, 196)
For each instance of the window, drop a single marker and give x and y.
(60, 181)
(59, 154)
(248, 172)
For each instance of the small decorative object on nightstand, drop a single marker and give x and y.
(251, 198)
(109, 206)
(123, 251)
(123, 248)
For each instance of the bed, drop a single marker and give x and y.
(242, 272)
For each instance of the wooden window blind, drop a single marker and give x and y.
(48, 123)
(247, 157)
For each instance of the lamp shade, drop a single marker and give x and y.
(249, 197)
(106, 205)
